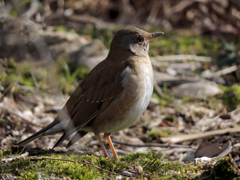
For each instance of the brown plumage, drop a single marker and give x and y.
(112, 96)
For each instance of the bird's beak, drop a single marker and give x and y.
(154, 35)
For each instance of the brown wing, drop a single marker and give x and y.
(96, 91)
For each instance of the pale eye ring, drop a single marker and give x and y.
(139, 39)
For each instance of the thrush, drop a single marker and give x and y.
(112, 96)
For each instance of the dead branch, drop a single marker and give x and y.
(182, 57)
(181, 138)
(7, 160)
(152, 145)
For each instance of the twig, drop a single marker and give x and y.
(32, 10)
(158, 89)
(82, 19)
(62, 35)
(16, 112)
(181, 6)
(15, 158)
(43, 159)
(226, 71)
(182, 57)
(153, 13)
(181, 138)
(152, 145)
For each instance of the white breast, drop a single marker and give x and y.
(144, 89)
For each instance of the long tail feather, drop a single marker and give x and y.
(78, 135)
(63, 137)
(43, 132)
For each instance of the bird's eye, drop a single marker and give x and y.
(139, 39)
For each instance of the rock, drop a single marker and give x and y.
(22, 39)
(210, 75)
(28, 114)
(154, 101)
(38, 110)
(198, 90)
(47, 120)
(162, 78)
(185, 68)
(171, 71)
(17, 38)
(207, 74)
(91, 54)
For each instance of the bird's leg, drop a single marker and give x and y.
(101, 144)
(107, 135)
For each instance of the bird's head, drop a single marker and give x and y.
(132, 40)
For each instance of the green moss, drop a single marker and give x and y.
(158, 133)
(138, 156)
(18, 7)
(167, 97)
(231, 95)
(75, 168)
(68, 74)
(25, 77)
(47, 164)
(42, 163)
(60, 28)
(188, 43)
(188, 99)
(214, 104)
(223, 169)
(16, 74)
(157, 167)
(172, 42)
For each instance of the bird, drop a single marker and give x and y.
(112, 96)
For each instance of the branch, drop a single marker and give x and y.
(181, 138)
(152, 145)
(7, 160)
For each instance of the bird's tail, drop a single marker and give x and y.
(78, 135)
(52, 128)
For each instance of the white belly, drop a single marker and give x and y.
(141, 104)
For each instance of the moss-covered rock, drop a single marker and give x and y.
(47, 164)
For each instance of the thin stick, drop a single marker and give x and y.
(152, 145)
(7, 160)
